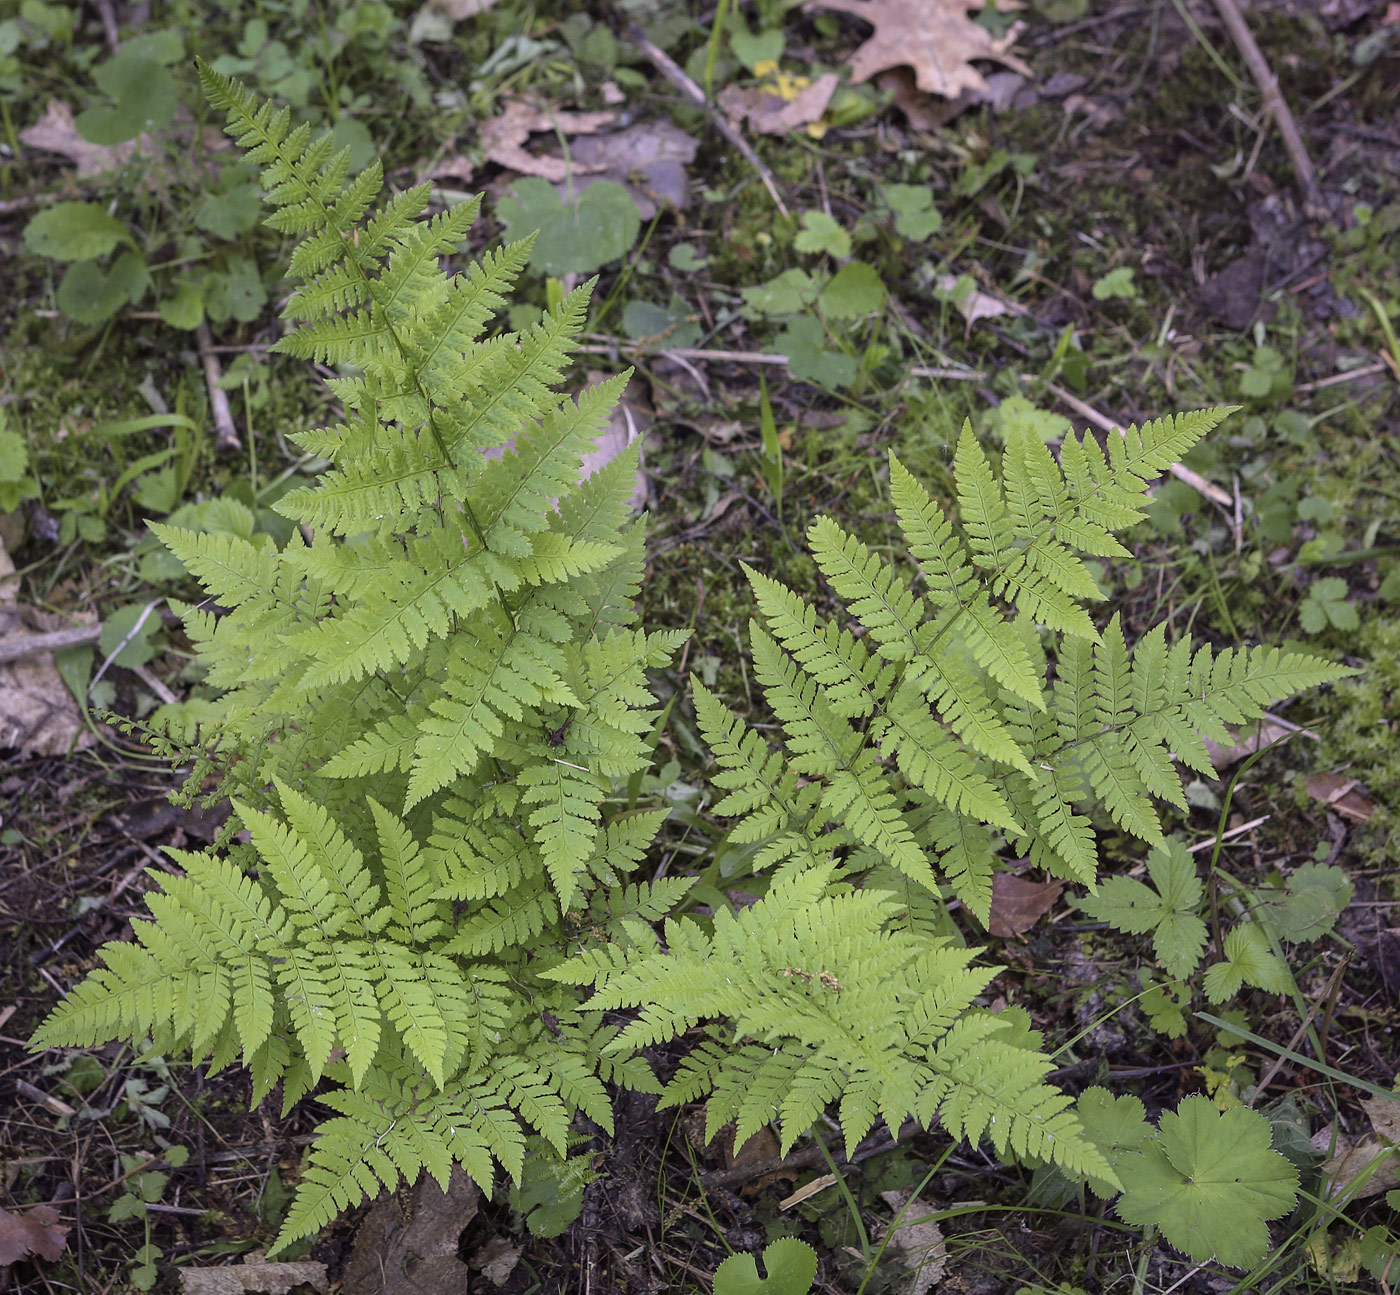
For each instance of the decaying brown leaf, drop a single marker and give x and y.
(771, 114)
(1018, 904)
(409, 1247)
(35, 1231)
(934, 37)
(503, 138)
(37, 712)
(1356, 1168)
(925, 1252)
(1344, 796)
(54, 132)
(649, 158)
(1249, 740)
(254, 1274)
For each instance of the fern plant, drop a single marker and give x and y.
(432, 690)
(430, 694)
(922, 728)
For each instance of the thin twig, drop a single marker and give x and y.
(226, 434)
(55, 641)
(1277, 107)
(673, 72)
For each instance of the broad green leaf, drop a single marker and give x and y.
(143, 94)
(185, 309)
(120, 630)
(14, 455)
(1116, 283)
(791, 1266)
(915, 216)
(855, 291)
(808, 360)
(577, 237)
(1309, 905)
(1209, 1182)
(88, 294)
(1116, 1126)
(74, 231)
(787, 294)
(821, 233)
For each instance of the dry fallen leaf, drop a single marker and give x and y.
(771, 114)
(503, 138)
(1345, 796)
(36, 1231)
(1018, 904)
(497, 1259)
(1255, 738)
(648, 158)
(922, 1243)
(976, 305)
(37, 712)
(456, 10)
(411, 1248)
(934, 37)
(254, 1274)
(54, 132)
(1353, 1159)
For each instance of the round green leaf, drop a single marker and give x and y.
(74, 231)
(855, 291)
(1209, 1182)
(117, 630)
(575, 237)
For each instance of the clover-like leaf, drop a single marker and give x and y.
(1248, 961)
(791, 1265)
(1209, 1182)
(1168, 912)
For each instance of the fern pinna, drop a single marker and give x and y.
(922, 730)
(430, 694)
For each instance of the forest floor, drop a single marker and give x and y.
(1111, 230)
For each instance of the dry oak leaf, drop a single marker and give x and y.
(503, 138)
(934, 37)
(1018, 904)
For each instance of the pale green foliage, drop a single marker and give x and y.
(916, 729)
(1168, 910)
(1208, 1179)
(928, 719)
(431, 694)
(830, 1004)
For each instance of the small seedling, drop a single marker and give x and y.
(791, 1268)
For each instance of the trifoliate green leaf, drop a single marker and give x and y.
(1209, 1182)
(1169, 912)
(1248, 961)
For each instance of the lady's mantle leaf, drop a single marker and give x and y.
(1209, 1182)
(1117, 1126)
